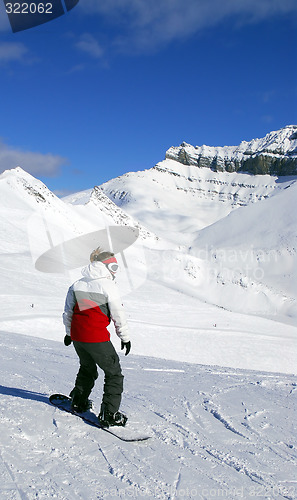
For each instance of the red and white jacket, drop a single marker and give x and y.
(91, 303)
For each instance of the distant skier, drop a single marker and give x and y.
(91, 303)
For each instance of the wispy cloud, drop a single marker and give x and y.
(33, 162)
(12, 51)
(267, 118)
(148, 24)
(89, 45)
(267, 96)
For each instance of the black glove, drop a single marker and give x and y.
(67, 340)
(127, 345)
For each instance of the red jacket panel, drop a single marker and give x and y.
(89, 323)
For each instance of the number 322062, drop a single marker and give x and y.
(26, 8)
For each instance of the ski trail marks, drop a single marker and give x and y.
(210, 407)
(9, 487)
(215, 431)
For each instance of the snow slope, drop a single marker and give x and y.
(259, 254)
(217, 433)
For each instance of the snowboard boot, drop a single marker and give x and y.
(108, 419)
(79, 402)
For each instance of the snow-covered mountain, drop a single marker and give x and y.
(176, 198)
(211, 370)
(227, 239)
(198, 211)
(94, 204)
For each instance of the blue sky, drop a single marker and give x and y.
(110, 86)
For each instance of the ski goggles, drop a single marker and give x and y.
(111, 264)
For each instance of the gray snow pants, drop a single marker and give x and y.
(104, 355)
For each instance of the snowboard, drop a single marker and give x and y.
(127, 433)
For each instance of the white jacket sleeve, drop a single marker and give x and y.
(117, 312)
(68, 310)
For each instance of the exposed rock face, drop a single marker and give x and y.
(275, 154)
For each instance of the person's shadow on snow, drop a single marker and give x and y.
(24, 394)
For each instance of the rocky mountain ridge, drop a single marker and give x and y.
(274, 154)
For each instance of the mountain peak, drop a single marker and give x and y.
(21, 184)
(274, 154)
(16, 172)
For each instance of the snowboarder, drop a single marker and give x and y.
(91, 303)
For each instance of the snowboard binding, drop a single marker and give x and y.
(108, 419)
